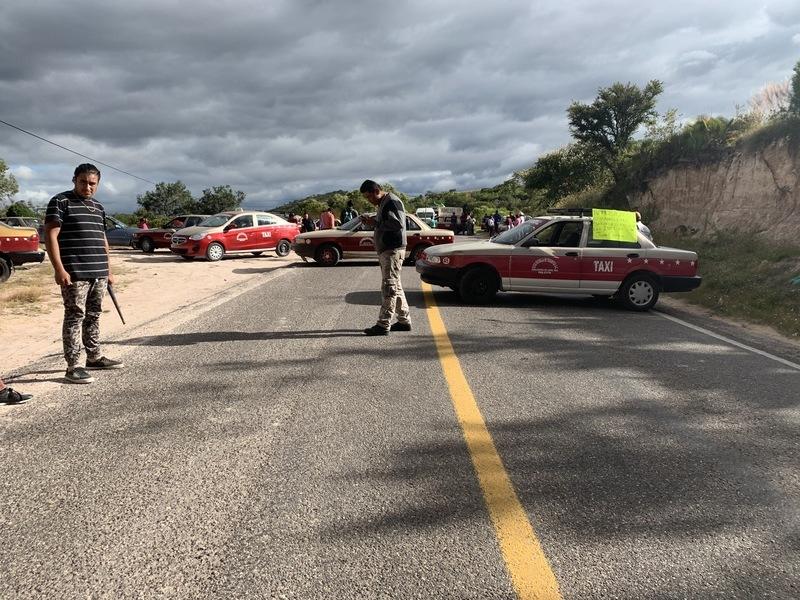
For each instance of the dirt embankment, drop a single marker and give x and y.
(756, 191)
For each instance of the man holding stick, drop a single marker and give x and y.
(78, 250)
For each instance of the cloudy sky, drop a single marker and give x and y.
(285, 98)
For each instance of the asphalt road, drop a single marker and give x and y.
(270, 450)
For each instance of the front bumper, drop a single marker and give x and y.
(443, 276)
(680, 284)
(303, 250)
(20, 258)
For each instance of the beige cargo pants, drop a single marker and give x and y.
(394, 298)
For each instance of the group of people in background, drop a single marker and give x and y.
(491, 223)
(327, 220)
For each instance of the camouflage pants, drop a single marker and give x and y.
(83, 302)
(394, 298)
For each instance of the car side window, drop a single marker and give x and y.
(411, 225)
(241, 222)
(593, 243)
(191, 221)
(265, 220)
(544, 236)
(570, 235)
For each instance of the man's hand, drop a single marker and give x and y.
(62, 278)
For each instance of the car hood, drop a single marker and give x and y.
(323, 233)
(187, 231)
(480, 247)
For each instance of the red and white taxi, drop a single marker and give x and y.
(235, 232)
(18, 245)
(355, 239)
(558, 255)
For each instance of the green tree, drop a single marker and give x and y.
(566, 171)
(8, 183)
(794, 92)
(218, 199)
(21, 209)
(166, 199)
(608, 124)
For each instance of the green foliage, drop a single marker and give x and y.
(218, 199)
(166, 199)
(610, 122)
(565, 172)
(746, 277)
(21, 209)
(8, 183)
(794, 93)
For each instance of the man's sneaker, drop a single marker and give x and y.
(376, 330)
(400, 326)
(104, 363)
(11, 396)
(79, 375)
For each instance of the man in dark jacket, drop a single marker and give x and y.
(390, 244)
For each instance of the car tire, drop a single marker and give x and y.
(215, 251)
(147, 246)
(327, 255)
(283, 248)
(5, 270)
(478, 286)
(259, 253)
(638, 292)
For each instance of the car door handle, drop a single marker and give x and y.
(633, 255)
(570, 254)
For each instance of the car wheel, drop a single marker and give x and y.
(638, 292)
(283, 248)
(478, 286)
(327, 255)
(215, 251)
(147, 246)
(5, 270)
(259, 253)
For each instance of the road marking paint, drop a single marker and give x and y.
(525, 561)
(728, 340)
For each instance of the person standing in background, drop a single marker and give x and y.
(390, 244)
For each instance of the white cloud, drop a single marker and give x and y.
(293, 98)
(23, 173)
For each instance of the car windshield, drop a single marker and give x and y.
(215, 221)
(516, 234)
(351, 225)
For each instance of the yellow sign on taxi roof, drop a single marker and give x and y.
(614, 225)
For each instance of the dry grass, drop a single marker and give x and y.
(30, 290)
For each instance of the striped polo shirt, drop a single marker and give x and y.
(82, 239)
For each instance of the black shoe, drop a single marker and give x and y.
(79, 375)
(376, 330)
(104, 363)
(400, 326)
(11, 396)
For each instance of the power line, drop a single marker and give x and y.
(94, 160)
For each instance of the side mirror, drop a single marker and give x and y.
(227, 228)
(534, 241)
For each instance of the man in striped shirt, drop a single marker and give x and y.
(76, 241)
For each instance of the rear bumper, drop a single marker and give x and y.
(680, 284)
(20, 258)
(443, 276)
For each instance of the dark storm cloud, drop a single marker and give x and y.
(284, 99)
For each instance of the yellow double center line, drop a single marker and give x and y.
(525, 561)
